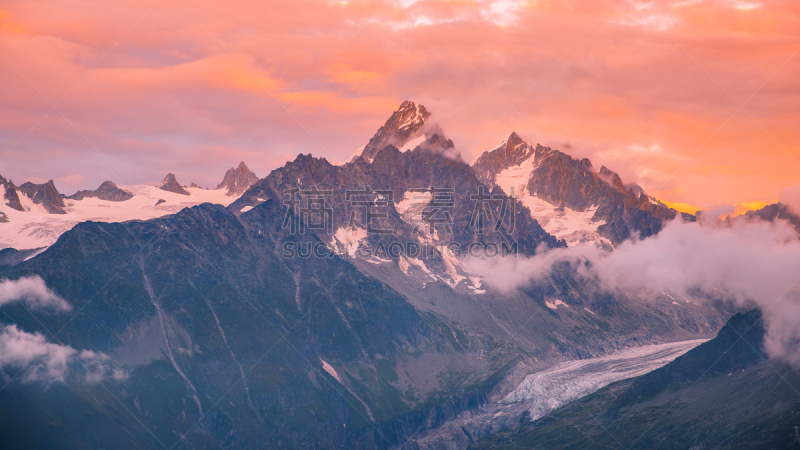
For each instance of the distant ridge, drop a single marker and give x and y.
(170, 184)
(11, 197)
(238, 180)
(107, 191)
(46, 195)
(550, 182)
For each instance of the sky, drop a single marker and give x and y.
(697, 101)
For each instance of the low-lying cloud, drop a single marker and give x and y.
(750, 263)
(45, 362)
(33, 291)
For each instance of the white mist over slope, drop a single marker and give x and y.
(33, 358)
(47, 362)
(33, 291)
(749, 263)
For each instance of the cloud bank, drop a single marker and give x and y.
(33, 291)
(749, 263)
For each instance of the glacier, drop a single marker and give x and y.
(545, 391)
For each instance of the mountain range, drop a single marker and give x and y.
(323, 306)
(33, 216)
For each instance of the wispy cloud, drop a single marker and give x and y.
(44, 362)
(33, 291)
(170, 99)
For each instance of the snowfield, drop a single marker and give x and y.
(36, 228)
(563, 223)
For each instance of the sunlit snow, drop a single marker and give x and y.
(545, 391)
(559, 385)
(331, 371)
(563, 223)
(35, 227)
(346, 240)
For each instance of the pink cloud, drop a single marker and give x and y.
(171, 97)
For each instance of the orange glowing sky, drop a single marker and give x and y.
(698, 101)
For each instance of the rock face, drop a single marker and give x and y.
(238, 180)
(540, 174)
(400, 173)
(226, 344)
(10, 197)
(107, 191)
(402, 126)
(170, 184)
(435, 282)
(46, 195)
(774, 212)
(512, 152)
(722, 394)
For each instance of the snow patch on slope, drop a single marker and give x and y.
(411, 206)
(563, 223)
(413, 143)
(554, 305)
(412, 120)
(331, 371)
(452, 265)
(346, 240)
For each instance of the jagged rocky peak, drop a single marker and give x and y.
(237, 180)
(774, 212)
(568, 197)
(516, 149)
(403, 126)
(108, 191)
(46, 195)
(511, 152)
(10, 197)
(170, 184)
(611, 177)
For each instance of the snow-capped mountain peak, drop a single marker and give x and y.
(403, 126)
(512, 151)
(10, 196)
(108, 191)
(568, 197)
(46, 195)
(237, 180)
(170, 184)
